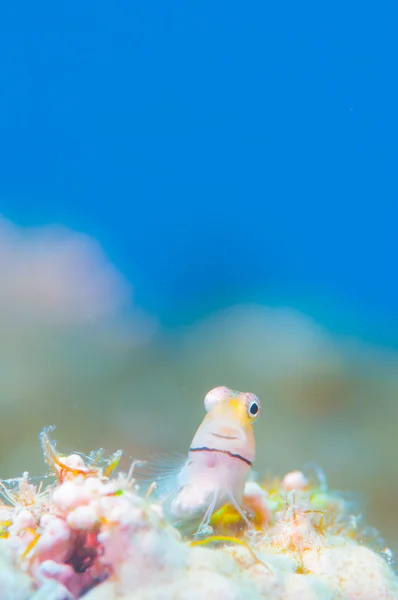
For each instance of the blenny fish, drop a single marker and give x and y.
(218, 463)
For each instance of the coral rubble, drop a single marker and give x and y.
(90, 533)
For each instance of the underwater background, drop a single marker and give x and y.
(194, 195)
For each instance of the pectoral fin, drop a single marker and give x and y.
(163, 470)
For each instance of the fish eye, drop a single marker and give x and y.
(254, 409)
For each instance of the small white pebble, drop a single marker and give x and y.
(295, 480)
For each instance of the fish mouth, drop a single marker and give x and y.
(225, 437)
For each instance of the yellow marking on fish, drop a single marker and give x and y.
(225, 516)
(239, 408)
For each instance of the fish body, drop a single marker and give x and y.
(219, 459)
(209, 479)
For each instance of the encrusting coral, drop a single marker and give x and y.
(92, 533)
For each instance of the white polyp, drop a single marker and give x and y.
(84, 517)
(70, 495)
(295, 480)
(23, 520)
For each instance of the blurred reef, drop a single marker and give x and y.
(77, 351)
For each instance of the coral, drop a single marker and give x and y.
(92, 533)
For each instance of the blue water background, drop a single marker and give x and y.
(219, 151)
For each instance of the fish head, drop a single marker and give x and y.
(228, 424)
